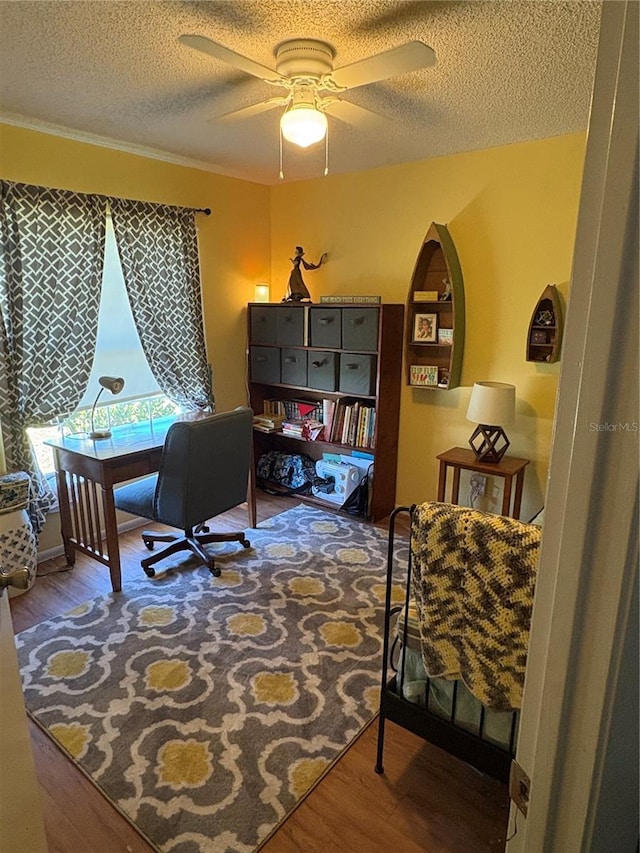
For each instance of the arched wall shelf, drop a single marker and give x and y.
(434, 334)
(545, 329)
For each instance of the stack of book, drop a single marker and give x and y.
(309, 429)
(292, 428)
(268, 422)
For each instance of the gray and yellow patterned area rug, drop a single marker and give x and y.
(204, 708)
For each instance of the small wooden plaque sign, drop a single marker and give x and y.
(424, 375)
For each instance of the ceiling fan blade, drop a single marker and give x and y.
(399, 60)
(225, 54)
(351, 113)
(253, 110)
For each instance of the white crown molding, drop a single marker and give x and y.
(115, 144)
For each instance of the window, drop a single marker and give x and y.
(118, 353)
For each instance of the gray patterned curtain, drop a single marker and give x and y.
(51, 259)
(158, 251)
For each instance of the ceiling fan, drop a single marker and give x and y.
(304, 68)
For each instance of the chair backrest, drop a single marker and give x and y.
(204, 468)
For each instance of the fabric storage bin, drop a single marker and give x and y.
(293, 367)
(262, 320)
(322, 370)
(265, 364)
(357, 374)
(290, 325)
(360, 329)
(325, 327)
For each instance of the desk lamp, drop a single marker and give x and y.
(492, 405)
(115, 385)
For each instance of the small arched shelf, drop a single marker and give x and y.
(545, 329)
(434, 335)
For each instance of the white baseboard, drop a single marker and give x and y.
(58, 550)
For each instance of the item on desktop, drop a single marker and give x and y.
(115, 384)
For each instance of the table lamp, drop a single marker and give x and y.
(492, 405)
(114, 384)
(261, 292)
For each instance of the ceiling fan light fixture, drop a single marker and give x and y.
(303, 125)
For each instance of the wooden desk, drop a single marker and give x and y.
(508, 467)
(84, 464)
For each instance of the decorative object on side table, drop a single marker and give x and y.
(115, 384)
(492, 406)
(297, 289)
(425, 328)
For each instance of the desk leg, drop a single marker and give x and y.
(66, 526)
(111, 534)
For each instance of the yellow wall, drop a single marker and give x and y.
(512, 215)
(511, 212)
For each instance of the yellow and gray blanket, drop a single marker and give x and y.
(473, 582)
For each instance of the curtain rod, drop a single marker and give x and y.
(205, 210)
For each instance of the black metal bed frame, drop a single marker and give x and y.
(466, 745)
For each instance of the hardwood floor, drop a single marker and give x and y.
(425, 801)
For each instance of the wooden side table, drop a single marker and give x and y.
(508, 467)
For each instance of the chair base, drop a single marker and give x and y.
(191, 541)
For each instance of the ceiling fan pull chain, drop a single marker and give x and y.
(326, 153)
(281, 172)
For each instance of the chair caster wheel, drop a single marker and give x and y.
(149, 543)
(245, 543)
(215, 571)
(149, 571)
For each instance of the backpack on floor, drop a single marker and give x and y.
(280, 473)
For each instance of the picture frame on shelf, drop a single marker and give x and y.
(539, 336)
(445, 336)
(425, 328)
(425, 376)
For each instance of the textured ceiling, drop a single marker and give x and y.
(115, 72)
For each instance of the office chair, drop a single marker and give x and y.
(204, 471)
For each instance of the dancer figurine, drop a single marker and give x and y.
(297, 289)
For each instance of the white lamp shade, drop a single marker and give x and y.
(492, 403)
(303, 125)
